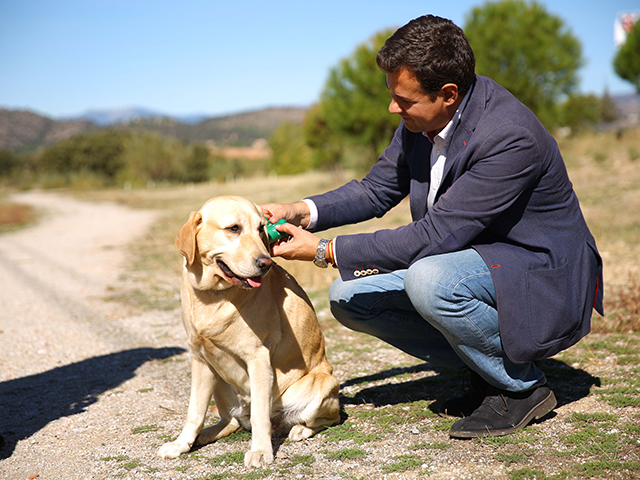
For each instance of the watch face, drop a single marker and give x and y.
(320, 263)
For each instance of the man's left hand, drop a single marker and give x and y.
(301, 245)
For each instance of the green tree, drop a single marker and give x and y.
(608, 108)
(327, 148)
(98, 153)
(580, 111)
(626, 63)
(290, 154)
(355, 100)
(150, 157)
(528, 51)
(197, 164)
(8, 163)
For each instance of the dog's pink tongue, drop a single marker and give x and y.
(255, 281)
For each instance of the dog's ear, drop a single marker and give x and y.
(265, 238)
(186, 240)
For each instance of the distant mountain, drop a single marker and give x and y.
(105, 118)
(22, 130)
(240, 129)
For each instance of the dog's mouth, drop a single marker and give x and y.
(235, 280)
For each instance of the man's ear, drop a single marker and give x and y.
(186, 239)
(450, 93)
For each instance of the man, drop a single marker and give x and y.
(497, 269)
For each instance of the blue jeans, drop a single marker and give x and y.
(441, 310)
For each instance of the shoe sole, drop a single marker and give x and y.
(536, 413)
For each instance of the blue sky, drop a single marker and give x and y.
(63, 57)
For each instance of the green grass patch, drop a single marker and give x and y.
(511, 458)
(530, 474)
(227, 458)
(239, 436)
(522, 437)
(431, 446)
(593, 441)
(600, 468)
(582, 419)
(348, 432)
(131, 465)
(144, 429)
(345, 454)
(403, 463)
(119, 458)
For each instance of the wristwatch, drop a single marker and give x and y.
(320, 260)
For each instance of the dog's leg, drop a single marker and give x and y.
(226, 398)
(202, 384)
(313, 400)
(261, 382)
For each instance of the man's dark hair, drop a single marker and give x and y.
(435, 50)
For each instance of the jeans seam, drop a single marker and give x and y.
(471, 321)
(384, 298)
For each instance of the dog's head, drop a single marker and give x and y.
(225, 245)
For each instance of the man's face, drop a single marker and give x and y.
(409, 100)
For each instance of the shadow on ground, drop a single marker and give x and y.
(30, 403)
(568, 383)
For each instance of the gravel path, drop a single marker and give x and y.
(73, 368)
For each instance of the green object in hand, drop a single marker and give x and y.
(273, 234)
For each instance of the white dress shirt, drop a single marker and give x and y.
(439, 151)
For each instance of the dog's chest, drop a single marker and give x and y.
(231, 368)
(229, 356)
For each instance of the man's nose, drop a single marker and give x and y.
(394, 107)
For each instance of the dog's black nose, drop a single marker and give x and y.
(264, 264)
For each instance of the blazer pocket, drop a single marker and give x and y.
(551, 304)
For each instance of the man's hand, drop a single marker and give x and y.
(301, 245)
(295, 213)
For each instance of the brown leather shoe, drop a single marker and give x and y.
(503, 413)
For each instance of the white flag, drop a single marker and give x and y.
(622, 25)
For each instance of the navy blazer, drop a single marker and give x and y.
(505, 192)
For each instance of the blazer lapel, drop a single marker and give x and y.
(468, 122)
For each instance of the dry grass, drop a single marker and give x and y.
(605, 170)
(13, 215)
(623, 309)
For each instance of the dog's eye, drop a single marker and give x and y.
(234, 228)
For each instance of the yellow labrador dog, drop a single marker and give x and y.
(255, 340)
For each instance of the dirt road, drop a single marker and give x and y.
(73, 368)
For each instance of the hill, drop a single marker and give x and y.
(22, 130)
(238, 129)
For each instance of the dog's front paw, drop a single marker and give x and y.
(258, 458)
(173, 449)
